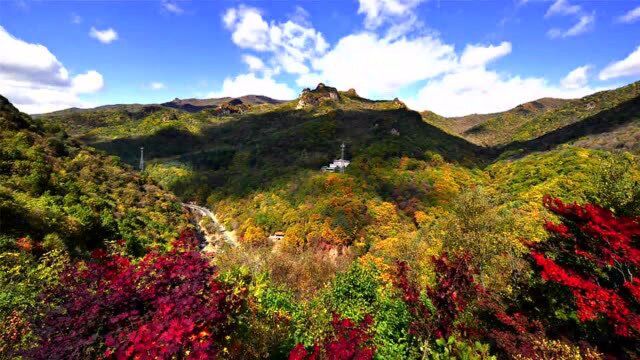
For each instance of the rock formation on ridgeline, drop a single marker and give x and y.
(315, 97)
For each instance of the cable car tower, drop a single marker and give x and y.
(141, 158)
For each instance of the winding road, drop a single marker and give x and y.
(229, 236)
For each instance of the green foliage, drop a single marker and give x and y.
(454, 349)
(358, 292)
(616, 184)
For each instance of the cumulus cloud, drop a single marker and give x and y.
(291, 44)
(89, 82)
(105, 36)
(36, 81)
(475, 55)
(584, 22)
(480, 90)
(477, 89)
(577, 78)
(156, 85)
(246, 84)
(631, 16)
(629, 66)
(253, 62)
(378, 66)
(378, 12)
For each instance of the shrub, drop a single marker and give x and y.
(165, 306)
(446, 302)
(594, 255)
(349, 341)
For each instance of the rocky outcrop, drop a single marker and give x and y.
(352, 93)
(399, 103)
(233, 106)
(318, 95)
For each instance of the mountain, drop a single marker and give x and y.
(53, 188)
(467, 124)
(194, 105)
(607, 119)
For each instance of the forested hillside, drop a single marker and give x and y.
(604, 120)
(427, 246)
(59, 200)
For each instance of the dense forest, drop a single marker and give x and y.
(513, 235)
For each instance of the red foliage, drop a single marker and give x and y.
(595, 255)
(348, 342)
(455, 289)
(514, 334)
(165, 306)
(14, 328)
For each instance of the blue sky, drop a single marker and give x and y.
(451, 57)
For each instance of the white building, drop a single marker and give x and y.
(338, 164)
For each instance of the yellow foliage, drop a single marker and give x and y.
(254, 235)
(423, 218)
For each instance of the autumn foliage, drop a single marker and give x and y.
(166, 305)
(349, 341)
(596, 256)
(454, 291)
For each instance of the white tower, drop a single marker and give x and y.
(141, 158)
(342, 165)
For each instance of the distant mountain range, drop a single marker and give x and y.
(608, 119)
(190, 105)
(193, 105)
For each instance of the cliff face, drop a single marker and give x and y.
(318, 95)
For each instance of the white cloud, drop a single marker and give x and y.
(577, 78)
(475, 55)
(291, 44)
(584, 22)
(250, 84)
(631, 16)
(629, 66)
(89, 82)
(156, 85)
(378, 66)
(250, 31)
(562, 7)
(172, 7)
(253, 62)
(377, 12)
(106, 36)
(476, 89)
(35, 81)
(385, 65)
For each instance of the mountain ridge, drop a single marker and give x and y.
(531, 120)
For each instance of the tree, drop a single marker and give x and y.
(594, 254)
